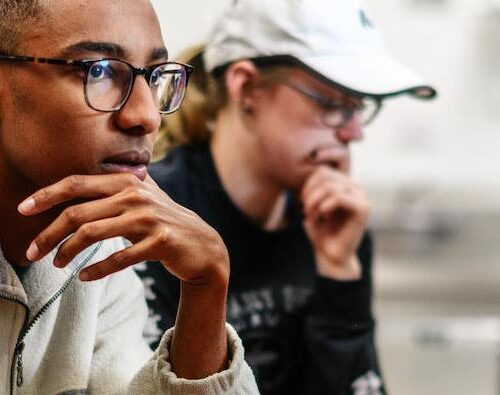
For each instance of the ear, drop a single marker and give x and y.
(240, 78)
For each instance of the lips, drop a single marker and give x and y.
(134, 162)
(337, 157)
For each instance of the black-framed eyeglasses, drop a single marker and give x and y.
(336, 113)
(108, 83)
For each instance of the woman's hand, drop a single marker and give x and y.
(336, 211)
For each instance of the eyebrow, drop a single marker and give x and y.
(111, 50)
(159, 54)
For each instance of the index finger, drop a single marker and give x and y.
(73, 187)
(318, 177)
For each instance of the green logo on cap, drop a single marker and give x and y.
(365, 21)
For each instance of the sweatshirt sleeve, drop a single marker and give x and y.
(119, 349)
(340, 332)
(156, 377)
(123, 363)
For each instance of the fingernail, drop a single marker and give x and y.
(84, 276)
(57, 262)
(26, 206)
(32, 252)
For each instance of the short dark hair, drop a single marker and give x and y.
(15, 16)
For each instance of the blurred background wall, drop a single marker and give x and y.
(433, 173)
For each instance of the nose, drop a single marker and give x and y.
(350, 131)
(140, 114)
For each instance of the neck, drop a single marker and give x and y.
(235, 151)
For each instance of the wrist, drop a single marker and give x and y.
(199, 344)
(205, 271)
(208, 290)
(348, 269)
(211, 287)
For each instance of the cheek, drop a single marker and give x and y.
(288, 131)
(47, 131)
(43, 151)
(283, 149)
(287, 135)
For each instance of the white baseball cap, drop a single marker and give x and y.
(335, 40)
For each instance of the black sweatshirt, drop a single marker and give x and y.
(303, 334)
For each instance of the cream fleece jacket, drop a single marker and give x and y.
(88, 339)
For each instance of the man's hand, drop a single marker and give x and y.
(122, 205)
(336, 211)
(160, 230)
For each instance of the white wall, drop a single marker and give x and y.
(453, 143)
(449, 146)
(187, 22)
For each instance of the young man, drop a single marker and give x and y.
(82, 86)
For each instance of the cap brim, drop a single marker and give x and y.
(375, 75)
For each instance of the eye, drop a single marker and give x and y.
(155, 77)
(100, 71)
(358, 103)
(356, 107)
(160, 77)
(330, 105)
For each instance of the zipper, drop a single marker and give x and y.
(19, 364)
(25, 325)
(18, 354)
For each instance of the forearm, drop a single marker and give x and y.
(339, 327)
(199, 344)
(344, 307)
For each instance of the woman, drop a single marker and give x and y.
(264, 157)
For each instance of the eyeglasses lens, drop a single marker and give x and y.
(168, 85)
(365, 112)
(109, 83)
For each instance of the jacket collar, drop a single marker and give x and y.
(10, 285)
(42, 281)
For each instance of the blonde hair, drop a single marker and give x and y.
(191, 123)
(205, 96)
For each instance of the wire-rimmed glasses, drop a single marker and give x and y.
(109, 82)
(337, 113)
